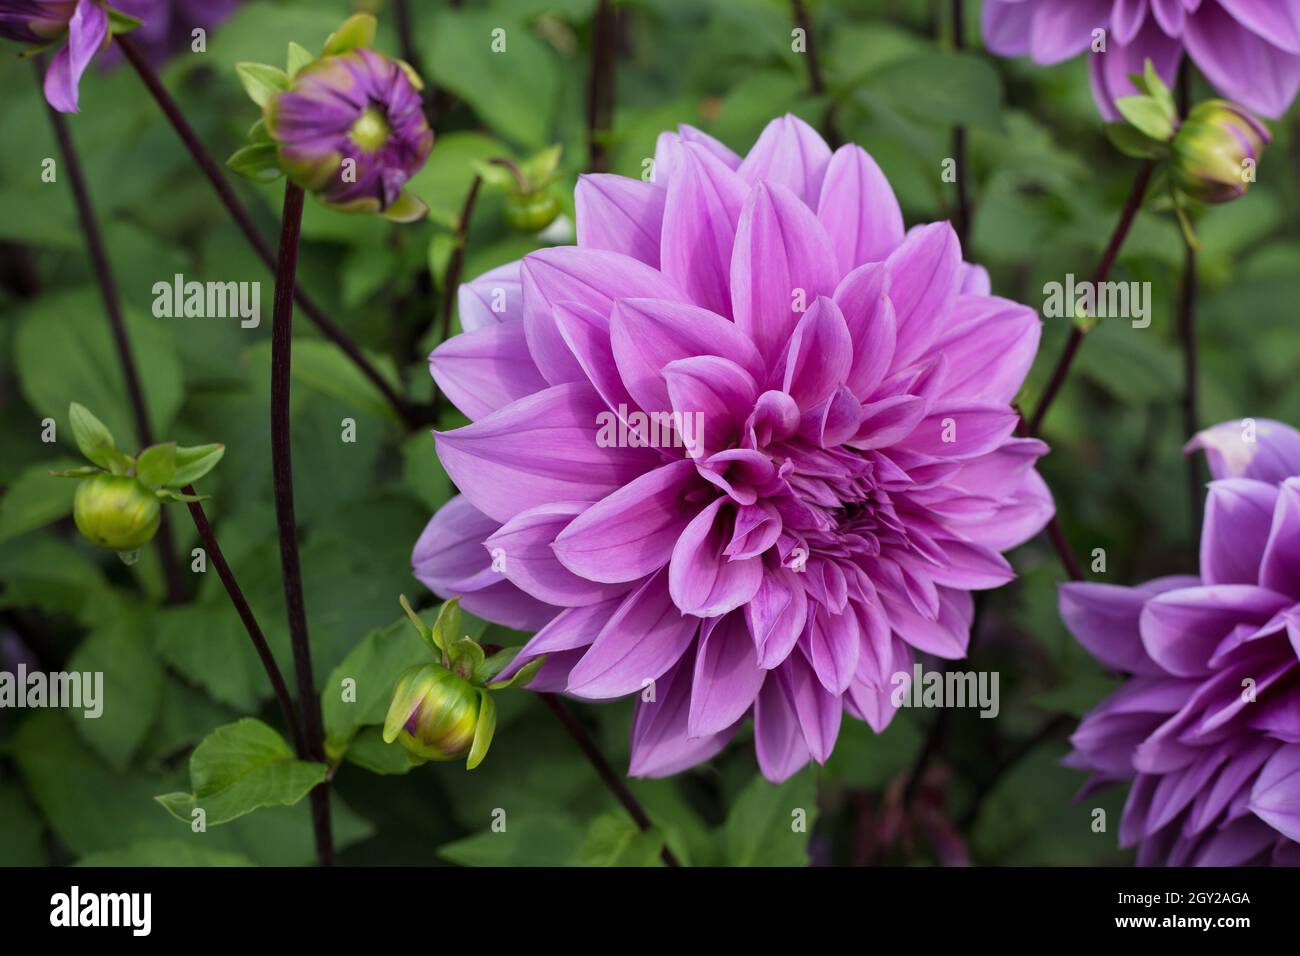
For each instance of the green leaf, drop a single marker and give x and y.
(769, 823)
(21, 830)
(1146, 113)
(156, 465)
(239, 768)
(446, 626)
(1131, 141)
(357, 30)
(543, 840)
(939, 88)
(193, 462)
(151, 853)
(483, 730)
(259, 162)
(119, 22)
(167, 494)
(299, 56)
(614, 840)
(358, 691)
(82, 471)
(92, 437)
(262, 81)
(407, 208)
(368, 751)
(34, 498)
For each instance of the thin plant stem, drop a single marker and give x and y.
(1063, 364)
(108, 292)
(1187, 333)
(282, 477)
(406, 412)
(962, 224)
(282, 695)
(451, 280)
(607, 774)
(600, 86)
(816, 81)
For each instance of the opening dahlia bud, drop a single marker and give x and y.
(116, 511)
(1216, 151)
(436, 714)
(350, 128)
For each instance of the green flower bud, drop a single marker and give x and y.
(1216, 151)
(116, 511)
(438, 715)
(531, 212)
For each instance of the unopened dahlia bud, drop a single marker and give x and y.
(1216, 151)
(116, 511)
(438, 715)
(350, 128)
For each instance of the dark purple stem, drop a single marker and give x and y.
(816, 82)
(451, 280)
(962, 225)
(282, 695)
(409, 416)
(607, 774)
(600, 86)
(1187, 333)
(1131, 207)
(108, 292)
(282, 477)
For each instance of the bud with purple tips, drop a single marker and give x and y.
(1216, 151)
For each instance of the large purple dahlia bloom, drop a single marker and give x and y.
(351, 129)
(84, 23)
(741, 451)
(1207, 726)
(1249, 49)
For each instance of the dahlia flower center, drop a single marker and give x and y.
(370, 131)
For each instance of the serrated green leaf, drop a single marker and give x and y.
(239, 768)
(614, 840)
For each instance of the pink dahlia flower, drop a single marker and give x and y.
(80, 26)
(1249, 49)
(1207, 726)
(741, 451)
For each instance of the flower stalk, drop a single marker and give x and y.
(282, 476)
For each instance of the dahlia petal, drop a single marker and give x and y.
(963, 429)
(87, 29)
(1280, 565)
(819, 355)
(553, 676)
(817, 710)
(1005, 26)
(1104, 619)
(1126, 18)
(889, 421)
(1170, 16)
(788, 153)
(1241, 843)
(1235, 779)
(863, 298)
(1242, 65)
(1181, 628)
(524, 543)
(1062, 30)
(975, 280)
(648, 334)
(631, 532)
(704, 199)
(925, 275)
(776, 615)
(1275, 798)
(642, 639)
(781, 259)
(971, 567)
(1238, 514)
(947, 636)
(495, 296)
(668, 151)
(1022, 516)
(1250, 448)
(620, 215)
(486, 369)
(1110, 73)
(858, 209)
(711, 398)
(702, 580)
(451, 544)
(990, 346)
(778, 739)
(573, 629)
(833, 647)
(590, 277)
(538, 450)
(840, 418)
(660, 742)
(586, 332)
(1278, 23)
(727, 677)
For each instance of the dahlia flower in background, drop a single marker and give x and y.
(1248, 49)
(83, 24)
(840, 474)
(167, 26)
(1207, 726)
